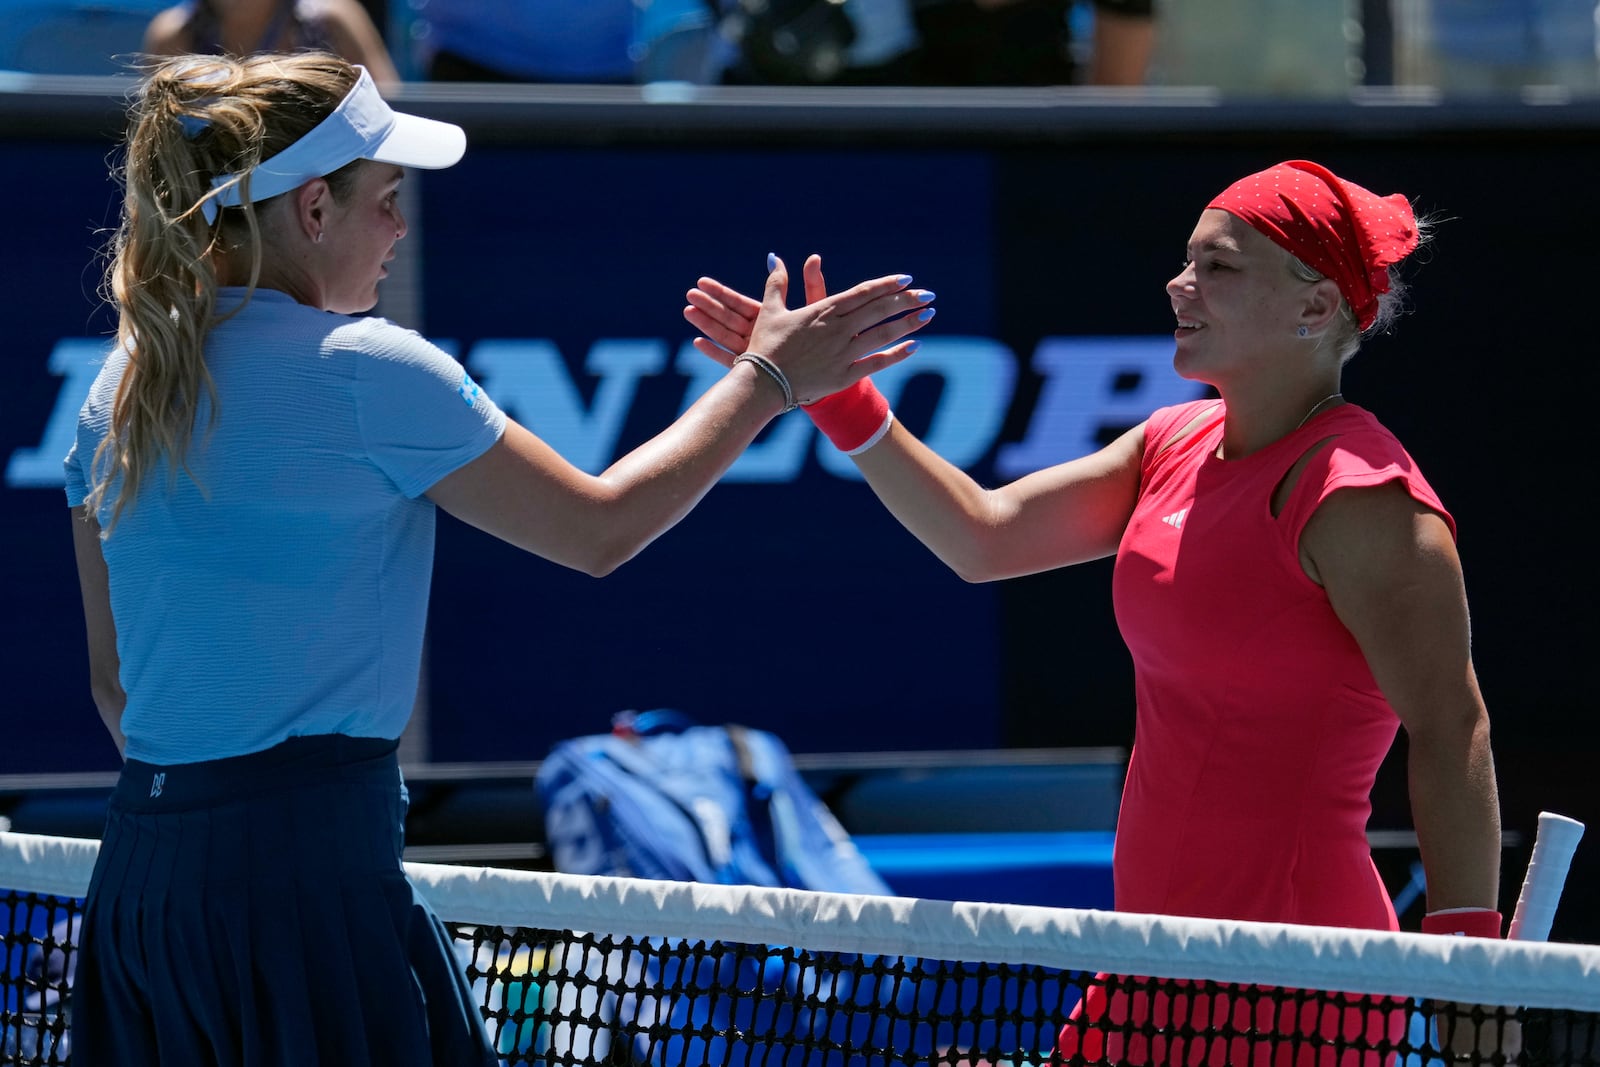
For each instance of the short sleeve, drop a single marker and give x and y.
(77, 484)
(94, 423)
(1357, 459)
(1164, 422)
(421, 415)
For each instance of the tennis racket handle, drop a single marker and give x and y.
(1553, 846)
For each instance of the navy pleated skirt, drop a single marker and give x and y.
(254, 911)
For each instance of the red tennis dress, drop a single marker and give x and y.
(1260, 728)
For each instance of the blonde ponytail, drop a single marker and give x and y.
(195, 118)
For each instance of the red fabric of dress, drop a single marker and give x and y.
(1259, 729)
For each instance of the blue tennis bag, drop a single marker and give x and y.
(661, 797)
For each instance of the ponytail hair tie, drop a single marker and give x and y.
(193, 126)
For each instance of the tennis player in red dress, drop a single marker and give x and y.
(1287, 584)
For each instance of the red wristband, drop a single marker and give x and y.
(1463, 922)
(854, 419)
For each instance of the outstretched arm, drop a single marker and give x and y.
(525, 493)
(1069, 513)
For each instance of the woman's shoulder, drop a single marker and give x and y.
(1178, 414)
(346, 28)
(1352, 430)
(103, 390)
(168, 31)
(269, 318)
(1166, 425)
(320, 20)
(345, 14)
(381, 338)
(1356, 450)
(388, 355)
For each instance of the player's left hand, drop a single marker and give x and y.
(726, 317)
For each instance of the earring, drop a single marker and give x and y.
(1299, 331)
(319, 241)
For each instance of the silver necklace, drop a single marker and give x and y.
(1317, 407)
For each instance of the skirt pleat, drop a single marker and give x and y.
(203, 969)
(452, 1010)
(180, 968)
(291, 1027)
(255, 913)
(109, 964)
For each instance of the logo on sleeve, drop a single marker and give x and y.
(469, 391)
(1175, 520)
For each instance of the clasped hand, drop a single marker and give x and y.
(829, 344)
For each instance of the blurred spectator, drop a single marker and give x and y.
(887, 49)
(240, 27)
(764, 42)
(943, 42)
(820, 42)
(1481, 46)
(1035, 42)
(522, 41)
(678, 40)
(1259, 47)
(787, 42)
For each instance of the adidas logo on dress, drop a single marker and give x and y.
(1175, 520)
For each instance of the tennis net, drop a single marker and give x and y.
(582, 970)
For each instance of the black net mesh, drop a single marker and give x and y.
(38, 939)
(558, 997)
(555, 998)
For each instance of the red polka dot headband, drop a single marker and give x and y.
(1347, 233)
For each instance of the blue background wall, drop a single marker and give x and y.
(789, 600)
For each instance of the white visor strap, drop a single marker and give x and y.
(355, 128)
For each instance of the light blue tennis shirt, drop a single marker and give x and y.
(282, 590)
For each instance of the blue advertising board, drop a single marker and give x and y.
(554, 266)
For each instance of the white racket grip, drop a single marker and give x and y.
(1553, 846)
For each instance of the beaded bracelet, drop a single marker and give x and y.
(772, 370)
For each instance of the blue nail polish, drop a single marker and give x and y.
(926, 313)
(924, 296)
(772, 262)
(903, 279)
(912, 346)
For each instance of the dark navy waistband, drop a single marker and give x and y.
(297, 762)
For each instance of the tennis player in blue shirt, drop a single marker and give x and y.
(253, 491)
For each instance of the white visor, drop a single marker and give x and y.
(363, 126)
